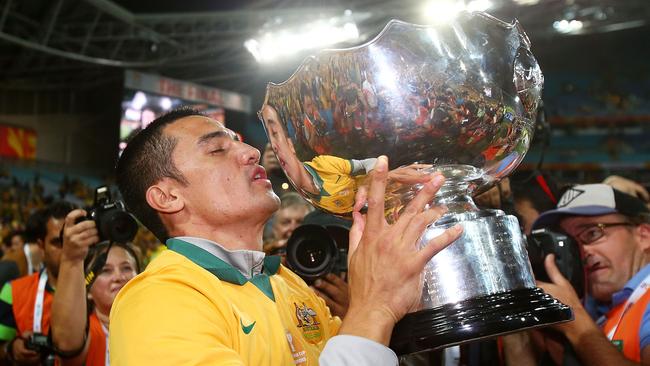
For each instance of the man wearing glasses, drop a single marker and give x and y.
(613, 231)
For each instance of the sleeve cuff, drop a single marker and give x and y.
(343, 350)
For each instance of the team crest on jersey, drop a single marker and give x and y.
(308, 323)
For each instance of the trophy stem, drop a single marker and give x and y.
(456, 198)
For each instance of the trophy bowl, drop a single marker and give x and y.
(459, 98)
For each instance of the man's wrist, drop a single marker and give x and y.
(374, 324)
(581, 325)
(72, 259)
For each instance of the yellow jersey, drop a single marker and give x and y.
(191, 308)
(337, 182)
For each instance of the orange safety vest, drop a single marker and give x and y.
(23, 294)
(96, 355)
(626, 337)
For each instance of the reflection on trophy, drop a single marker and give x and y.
(458, 98)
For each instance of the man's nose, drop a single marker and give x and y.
(587, 252)
(249, 154)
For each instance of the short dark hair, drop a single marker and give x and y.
(146, 160)
(7, 239)
(527, 186)
(56, 210)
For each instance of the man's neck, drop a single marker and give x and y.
(102, 316)
(233, 237)
(51, 279)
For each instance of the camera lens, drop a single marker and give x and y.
(311, 252)
(119, 226)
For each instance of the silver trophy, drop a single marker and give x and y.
(459, 98)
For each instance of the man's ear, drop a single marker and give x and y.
(164, 197)
(643, 233)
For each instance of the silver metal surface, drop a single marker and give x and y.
(490, 257)
(458, 98)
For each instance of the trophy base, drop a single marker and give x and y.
(477, 318)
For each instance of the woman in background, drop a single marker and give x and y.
(89, 282)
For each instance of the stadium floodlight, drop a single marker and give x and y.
(440, 11)
(568, 26)
(278, 43)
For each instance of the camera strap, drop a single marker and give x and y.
(634, 297)
(38, 305)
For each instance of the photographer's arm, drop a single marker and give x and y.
(385, 262)
(69, 316)
(588, 340)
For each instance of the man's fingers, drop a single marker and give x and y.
(553, 272)
(73, 216)
(355, 234)
(414, 228)
(421, 199)
(435, 245)
(376, 193)
(70, 228)
(360, 198)
(327, 287)
(322, 295)
(335, 280)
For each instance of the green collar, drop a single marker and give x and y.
(319, 180)
(224, 271)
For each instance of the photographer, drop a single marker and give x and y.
(91, 275)
(293, 209)
(25, 303)
(613, 230)
(318, 251)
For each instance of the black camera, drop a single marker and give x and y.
(542, 242)
(315, 250)
(114, 223)
(40, 343)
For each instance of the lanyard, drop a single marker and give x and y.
(636, 295)
(28, 256)
(38, 305)
(107, 359)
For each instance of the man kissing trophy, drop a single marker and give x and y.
(459, 98)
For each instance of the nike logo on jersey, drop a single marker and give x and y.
(247, 328)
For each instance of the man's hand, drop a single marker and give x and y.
(628, 186)
(410, 174)
(77, 238)
(560, 288)
(386, 263)
(21, 354)
(334, 290)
